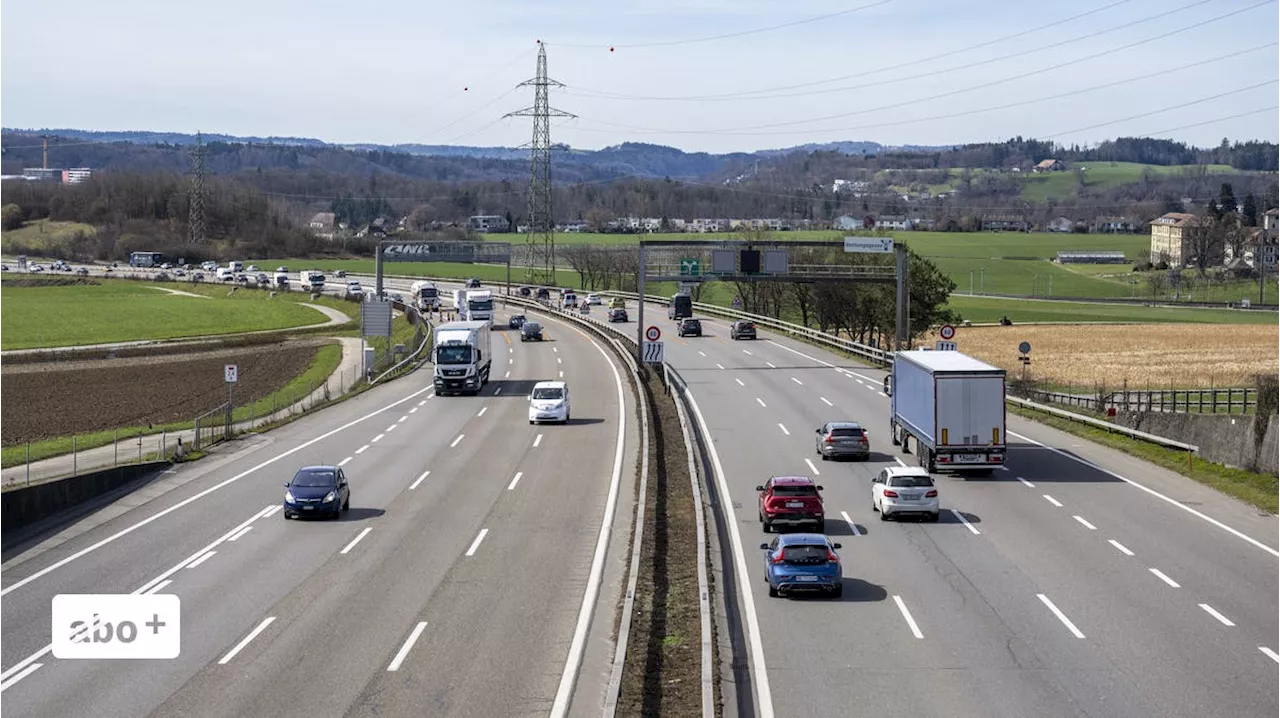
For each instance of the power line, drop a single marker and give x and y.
(1021, 103)
(747, 94)
(751, 130)
(523, 54)
(725, 36)
(1216, 120)
(1170, 108)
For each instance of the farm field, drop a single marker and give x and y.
(988, 310)
(41, 233)
(93, 399)
(97, 311)
(1146, 356)
(1101, 176)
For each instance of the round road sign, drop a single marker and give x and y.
(652, 334)
(1025, 347)
(947, 332)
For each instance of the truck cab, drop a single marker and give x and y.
(462, 357)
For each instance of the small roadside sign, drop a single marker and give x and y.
(945, 346)
(652, 334)
(231, 372)
(947, 332)
(868, 245)
(1025, 347)
(652, 353)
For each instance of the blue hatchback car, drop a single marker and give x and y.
(317, 490)
(802, 562)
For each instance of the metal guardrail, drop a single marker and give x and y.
(413, 356)
(1144, 436)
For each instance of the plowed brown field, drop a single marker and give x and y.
(53, 399)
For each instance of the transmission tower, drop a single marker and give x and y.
(541, 240)
(196, 219)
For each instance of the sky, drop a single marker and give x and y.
(701, 75)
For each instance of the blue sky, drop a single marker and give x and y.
(392, 72)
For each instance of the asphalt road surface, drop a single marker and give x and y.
(452, 587)
(1080, 581)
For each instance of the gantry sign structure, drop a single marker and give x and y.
(394, 250)
(696, 261)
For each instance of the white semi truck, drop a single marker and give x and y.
(425, 296)
(479, 305)
(463, 355)
(949, 408)
(312, 278)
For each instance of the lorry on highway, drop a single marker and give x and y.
(312, 278)
(282, 279)
(236, 267)
(462, 356)
(680, 307)
(479, 305)
(952, 406)
(425, 295)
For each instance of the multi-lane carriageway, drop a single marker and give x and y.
(454, 586)
(1079, 582)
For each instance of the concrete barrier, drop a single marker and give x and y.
(1232, 440)
(21, 508)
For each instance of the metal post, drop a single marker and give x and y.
(164, 444)
(28, 463)
(902, 317)
(115, 445)
(377, 270)
(139, 446)
(640, 311)
(74, 460)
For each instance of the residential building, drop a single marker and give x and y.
(575, 227)
(322, 223)
(1060, 225)
(1114, 225)
(848, 223)
(1172, 235)
(1269, 219)
(893, 221)
(76, 175)
(1259, 245)
(1005, 224)
(489, 223)
(1050, 165)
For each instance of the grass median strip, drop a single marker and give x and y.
(663, 672)
(1260, 490)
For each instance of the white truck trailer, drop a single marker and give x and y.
(312, 279)
(463, 356)
(425, 296)
(952, 406)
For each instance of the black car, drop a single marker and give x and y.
(690, 326)
(742, 330)
(618, 314)
(516, 321)
(531, 332)
(473, 283)
(317, 490)
(525, 291)
(544, 293)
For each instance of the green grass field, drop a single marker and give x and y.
(42, 232)
(1100, 176)
(118, 311)
(986, 310)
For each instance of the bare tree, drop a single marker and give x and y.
(1157, 281)
(1207, 239)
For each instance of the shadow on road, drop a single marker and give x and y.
(855, 591)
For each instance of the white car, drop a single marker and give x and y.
(353, 287)
(549, 401)
(904, 490)
(595, 299)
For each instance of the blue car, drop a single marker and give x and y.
(316, 490)
(802, 562)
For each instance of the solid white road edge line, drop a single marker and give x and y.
(1153, 492)
(245, 641)
(812, 468)
(1120, 547)
(1061, 616)
(356, 540)
(476, 544)
(1160, 575)
(1084, 523)
(208, 555)
(511, 486)
(852, 526)
(1209, 610)
(911, 622)
(414, 485)
(759, 672)
(185, 502)
(964, 521)
(408, 644)
(158, 587)
(828, 364)
(28, 671)
(1052, 500)
(579, 643)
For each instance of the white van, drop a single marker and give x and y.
(549, 401)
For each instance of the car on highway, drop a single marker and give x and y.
(252, 268)
(742, 330)
(617, 303)
(549, 401)
(689, 327)
(317, 490)
(618, 314)
(595, 299)
(83, 271)
(907, 490)
(803, 562)
(353, 287)
(790, 501)
(544, 293)
(525, 291)
(516, 321)
(340, 274)
(530, 332)
(473, 283)
(842, 438)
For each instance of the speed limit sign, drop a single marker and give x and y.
(947, 331)
(652, 334)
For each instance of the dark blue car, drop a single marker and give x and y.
(317, 490)
(802, 562)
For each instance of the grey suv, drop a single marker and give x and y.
(842, 438)
(530, 332)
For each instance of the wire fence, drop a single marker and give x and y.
(1229, 400)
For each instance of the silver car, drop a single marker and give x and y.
(842, 438)
(904, 490)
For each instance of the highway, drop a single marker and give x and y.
(1053, 588)
(454, 585)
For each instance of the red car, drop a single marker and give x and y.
(791, 501)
